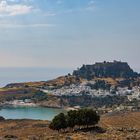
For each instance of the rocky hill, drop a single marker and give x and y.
(111, 72)
(116, 69)
(98, 85)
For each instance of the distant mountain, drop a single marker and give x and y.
(116, 69)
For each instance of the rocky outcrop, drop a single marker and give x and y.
(114, 69)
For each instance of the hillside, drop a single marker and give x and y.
(99, 85)
(58, 82)
(117, 126)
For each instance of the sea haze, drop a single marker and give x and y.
(14, 75)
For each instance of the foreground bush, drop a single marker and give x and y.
(2, 118)
(82, 117)
(59, 122)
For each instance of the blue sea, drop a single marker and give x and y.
(14, 75)
(35, 113)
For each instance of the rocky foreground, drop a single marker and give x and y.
(114, 126)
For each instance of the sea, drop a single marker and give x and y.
(15, 75)
(28, 112)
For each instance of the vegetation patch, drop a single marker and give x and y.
(83, 118)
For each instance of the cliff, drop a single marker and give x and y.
(114, 69)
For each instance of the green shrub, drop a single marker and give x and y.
(82, 117)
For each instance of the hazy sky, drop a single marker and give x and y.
(68, 33)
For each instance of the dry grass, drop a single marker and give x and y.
(38, 130)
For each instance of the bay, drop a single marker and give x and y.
(35, 113)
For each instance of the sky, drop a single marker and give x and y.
(69, 33)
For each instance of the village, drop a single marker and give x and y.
(83, 89)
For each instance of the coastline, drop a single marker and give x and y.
(65, 108)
